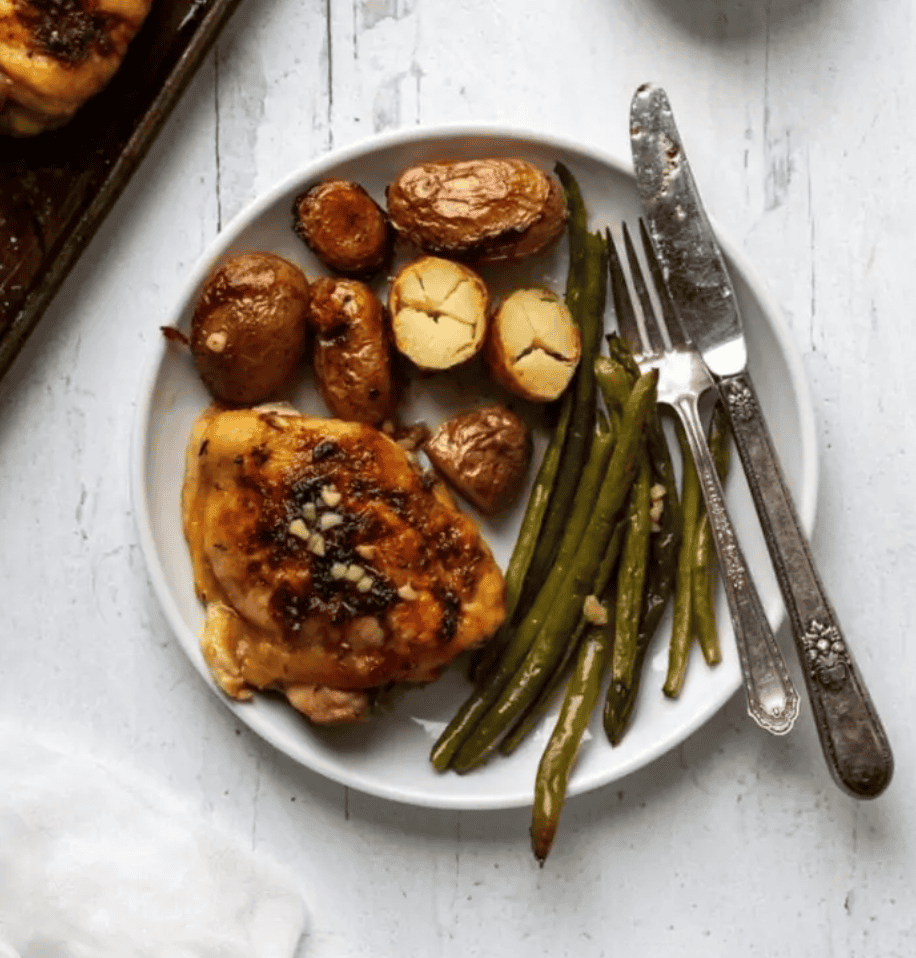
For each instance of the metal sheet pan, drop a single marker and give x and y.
(56, 188)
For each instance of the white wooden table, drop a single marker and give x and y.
(801, 119)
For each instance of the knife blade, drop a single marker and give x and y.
(852, 736)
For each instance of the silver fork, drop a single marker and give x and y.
(772, 700)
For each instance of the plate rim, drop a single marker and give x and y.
(806, 503)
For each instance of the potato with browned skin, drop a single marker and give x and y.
(484, 454)
(344, 227)
(248, 332)
(352, 356)
(538, 237)
(487, 210)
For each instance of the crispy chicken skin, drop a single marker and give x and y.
(55, 54)
(328, 564)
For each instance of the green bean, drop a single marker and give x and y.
(529, 719)
(614, 377)
(612, 372)
(614, 382)
(527, 539)
(655, 435)
(445, 749)
(458, 729)
(563, 747)
(586, 296)
(704, 575)
(702, 587)
(537, 507)
(681, 634)
(663, 549)
(577, 223)
(567, 585)
(538, 708)
(621, 352)
(631, 574)
(590, 480)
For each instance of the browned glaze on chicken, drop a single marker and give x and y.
(328, 563)
(55, 54)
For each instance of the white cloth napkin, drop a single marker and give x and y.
(99, 863)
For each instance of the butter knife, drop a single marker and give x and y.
(852, 736)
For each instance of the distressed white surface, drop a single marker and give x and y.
(800, 119)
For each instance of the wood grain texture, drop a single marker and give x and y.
(799, 115)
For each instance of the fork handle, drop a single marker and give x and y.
(851, 734)
(772, 700)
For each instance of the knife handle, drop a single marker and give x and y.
(851, 734)
(772, 700)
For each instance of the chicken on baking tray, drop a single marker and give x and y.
(56, 54)
(328, 563)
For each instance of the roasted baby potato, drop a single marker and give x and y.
(484, 454)
(248, 332)
(463, 208)
(344, 227)
(352, 357)
(439, 311)
(533, 346)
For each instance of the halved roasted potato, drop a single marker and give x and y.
(533, 346)
(463, 208)
(439, 311)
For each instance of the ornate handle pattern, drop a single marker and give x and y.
(771, 697)
(851, 734)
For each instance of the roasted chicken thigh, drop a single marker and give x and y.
(328, 563)
(55, 54)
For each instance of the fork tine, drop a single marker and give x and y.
(669, 312)
(654, 331)
(623, 305)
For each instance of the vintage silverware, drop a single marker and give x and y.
(851, 734)
(660, 344)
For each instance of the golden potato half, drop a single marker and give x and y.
(533, 346)
(439, 311)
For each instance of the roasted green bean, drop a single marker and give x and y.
(704, 563)
(536, 509)
(538, 708)
(681, 631)
(663, 550)
(703, 587)
(560, 754)
(615, 383)
(529, 719)
(612, 373)
(631, 574)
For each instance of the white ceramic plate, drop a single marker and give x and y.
(389, 756)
